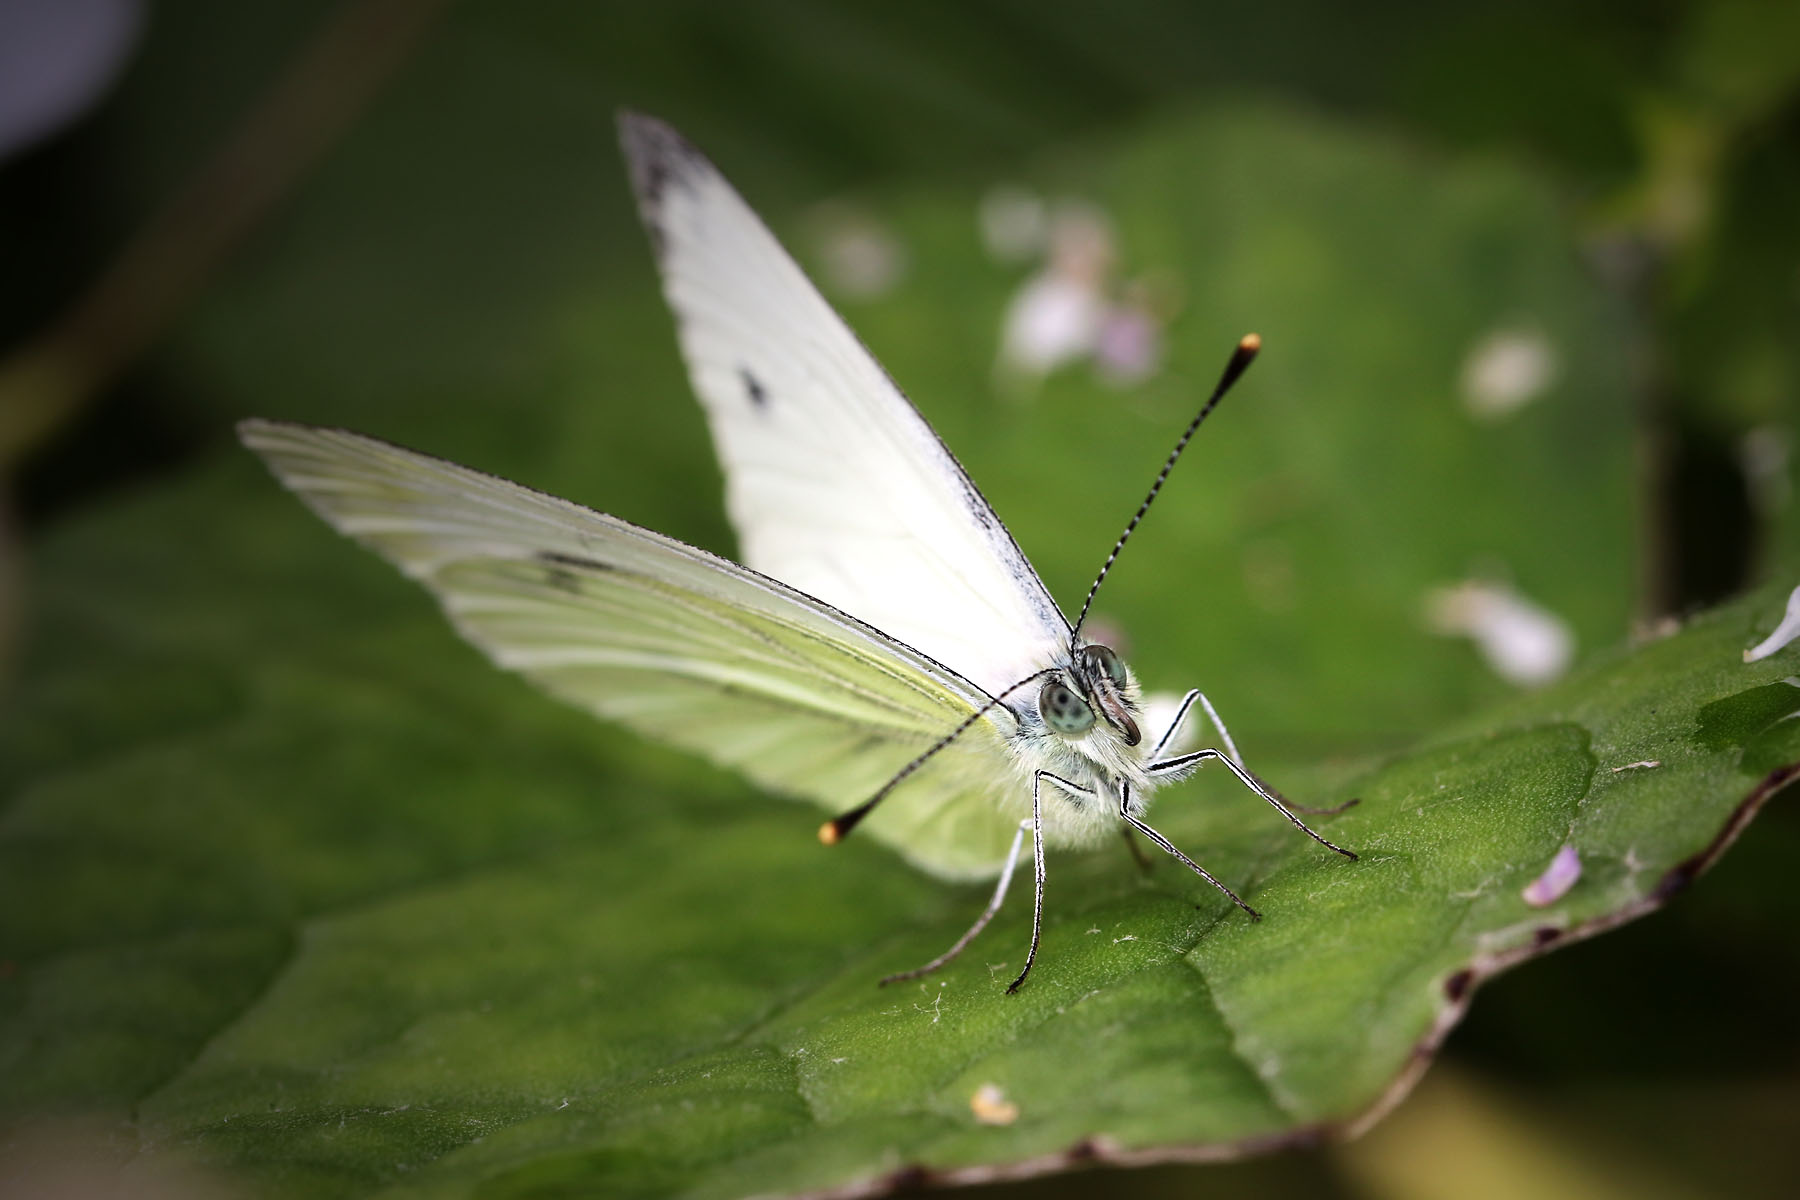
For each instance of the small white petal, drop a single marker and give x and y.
(1051, 321)
(1787, 631)
(1523, 642)
(1507, 370)
(1128, 346)
(1556, 880)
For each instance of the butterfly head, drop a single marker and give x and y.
(1097, 688)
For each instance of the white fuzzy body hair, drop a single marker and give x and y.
(1100, 760)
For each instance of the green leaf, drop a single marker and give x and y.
(303, 889)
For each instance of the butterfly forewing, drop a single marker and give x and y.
(672, 641)
(834, 482)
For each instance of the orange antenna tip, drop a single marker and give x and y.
(1250, 343)
(828, 833)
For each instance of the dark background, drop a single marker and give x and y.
(1661, 1057)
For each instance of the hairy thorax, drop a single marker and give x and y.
(1101, 763)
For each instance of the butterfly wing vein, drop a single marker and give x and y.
(833, 481)
(678, 644)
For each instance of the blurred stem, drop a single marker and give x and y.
(160, 271)
(1662, 235)
(1737, 68)
(1639, 276)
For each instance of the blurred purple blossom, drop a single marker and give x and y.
(57, 57)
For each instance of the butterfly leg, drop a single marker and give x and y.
(1137, 852)
(1312, 811)
(1132, 822)
(1006, 874)
(1231, 752)
(1250, 781)
(1037, 848)
(1187, 702)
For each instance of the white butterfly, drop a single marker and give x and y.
(885, 641)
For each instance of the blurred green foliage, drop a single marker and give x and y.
(240, 757)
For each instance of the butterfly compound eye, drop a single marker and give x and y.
(1063, 711)
(1103, 661)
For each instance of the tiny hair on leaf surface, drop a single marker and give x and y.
(340, 910)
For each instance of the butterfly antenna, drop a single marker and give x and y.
(835, 830)
(1241, 358)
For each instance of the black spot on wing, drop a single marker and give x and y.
(579, 562)
(659, 159)
(574, 560)
(753, 389)
(562, 569)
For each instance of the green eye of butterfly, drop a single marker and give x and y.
(1063, 711)
(1105, 662)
